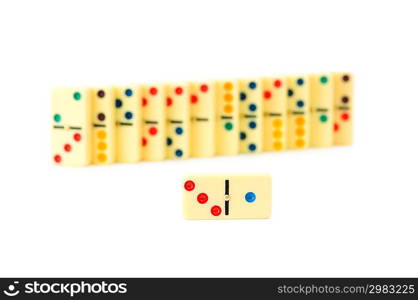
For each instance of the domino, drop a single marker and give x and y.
(128, 124)
(202, 110)
(226, 196)
(154, 124)
(103, 126)
(178, 121)
(71, 129)
(251, 114)
(227, 114)
(343, 109)
(322, 107)
(298, 120)
(275, 115)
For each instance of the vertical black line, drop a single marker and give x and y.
(227, 194)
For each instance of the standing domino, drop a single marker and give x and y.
(154, 128)
(202, 108)
(103, 126)
(128, 124)
(322, 100)
(298, 120)
(274, 121)
(227, 197)
(71, 129)
(227, 134)
(178, 121)
(251, 114)
(343, 109)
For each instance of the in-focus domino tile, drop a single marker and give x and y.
(227, 118)
(343, 109)
(227, 196)
(154, 125)
(71, 126)
(103, 125)
(322, 107)
(251, 114)
(298, 120)
(178, 121)
(275, 113)
(202, 102)
(128, 123)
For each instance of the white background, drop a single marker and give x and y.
(346, 211)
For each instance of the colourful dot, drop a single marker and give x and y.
(252, 147)
(144, 101)
(300, 103)
(101, 116)
(118, 103)
(299, 81)
(77, 96)
(169, 141)
(144, 142)
(290, 92)
(228, 97)
(128, 115)
(346, 77)
(153, 131)
(169, 101)
(216, 210)
(277, 134)
(202, 198)
(57, 158)
(300, 143)
(277, 83)
(277, 146)
(228, 126)
(179, 130)
(228, 86)
(204, 88)
(77, 137)
(128, 92)
(153, 91)
(242, 96)
(277, 123)
(179, 153)
(267, 95)
(345, 116)
(300, 132)
(252, 107)
(228, 108)
(102, 146)
(242, 136)
(101, 134)
(67, 147)
(178, 90)
(323, 79)
(345, 99)
(252, 85)
(250, 197)
(300, 121)
(57, 118)
(101, 157)
(189, 185)
(252, 124)
(101, 93)
(336, 127)
(323, 118)
(194, 99)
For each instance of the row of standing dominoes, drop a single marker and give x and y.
(155, 122)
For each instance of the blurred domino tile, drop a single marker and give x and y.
(154, 122)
